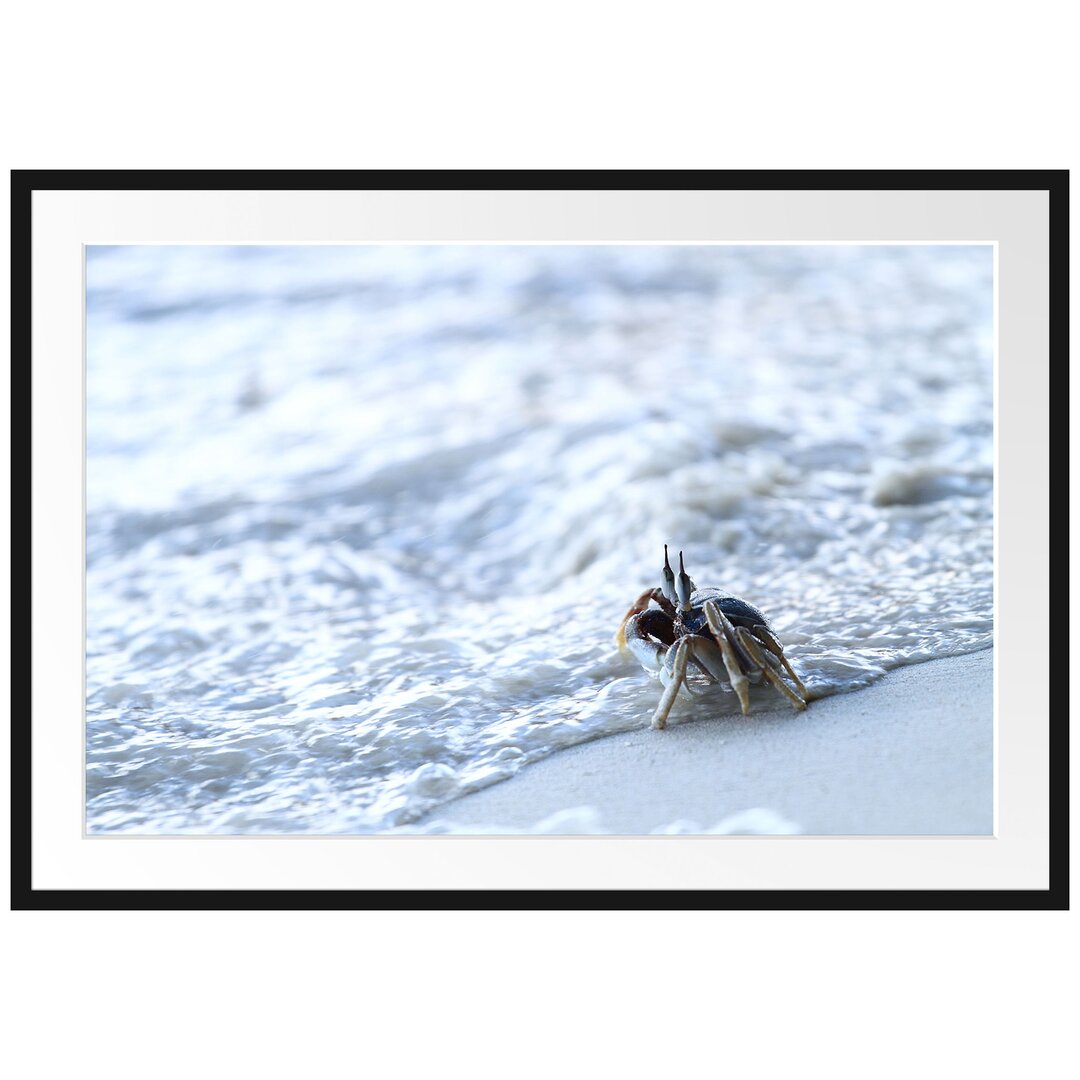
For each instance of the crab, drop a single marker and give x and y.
(726, 639)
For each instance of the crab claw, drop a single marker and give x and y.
(636, 608)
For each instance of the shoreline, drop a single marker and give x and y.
(911, 754)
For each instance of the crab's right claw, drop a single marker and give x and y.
(636, 608)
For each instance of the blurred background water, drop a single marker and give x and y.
(362, 521)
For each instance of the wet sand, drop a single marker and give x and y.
(911, 755)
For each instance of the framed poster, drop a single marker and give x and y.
(537, 539)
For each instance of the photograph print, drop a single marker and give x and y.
(626, 539)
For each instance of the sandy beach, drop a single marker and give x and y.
(910, 755)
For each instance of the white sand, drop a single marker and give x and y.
(911, 754)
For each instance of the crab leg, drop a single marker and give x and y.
(724, 633)
(693, 660)
(706, 654)
(678, 674)
(666, 674)
(766, 637)
(768, 666)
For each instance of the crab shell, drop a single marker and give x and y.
(738, 611)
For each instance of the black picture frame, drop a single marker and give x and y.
(24, 183)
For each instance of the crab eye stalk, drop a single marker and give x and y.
(683, 585)
(668, 588)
